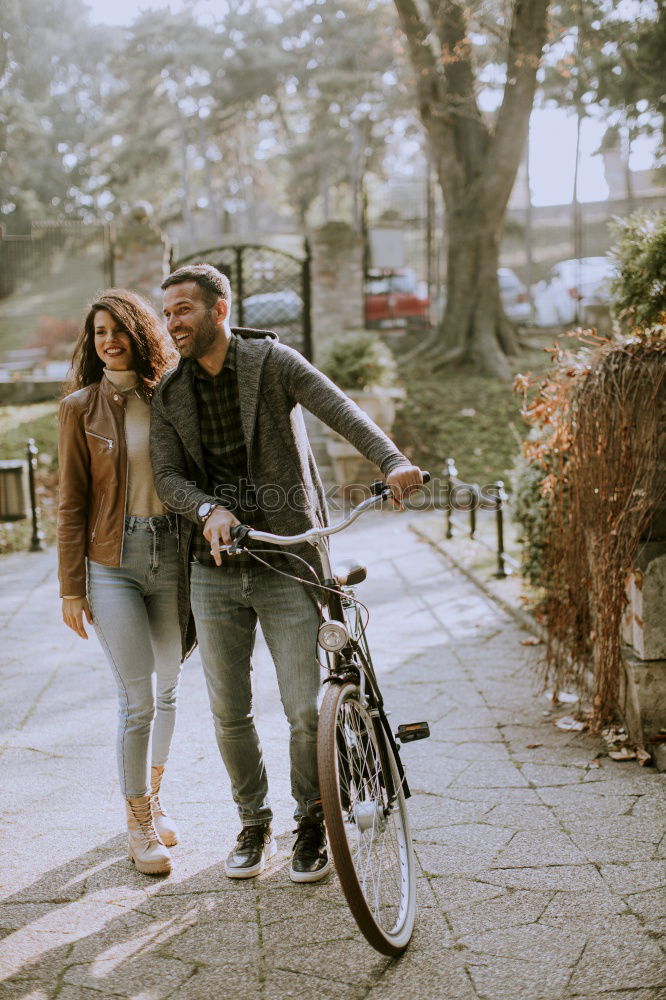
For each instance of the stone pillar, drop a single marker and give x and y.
(337, 283)
(140, 254)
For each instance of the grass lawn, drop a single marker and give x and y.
(461, 414)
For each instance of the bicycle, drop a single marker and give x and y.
(362, 780)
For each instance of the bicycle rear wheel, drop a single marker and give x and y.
(369, 835)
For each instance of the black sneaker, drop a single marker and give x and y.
(254, 847)
(309, 858)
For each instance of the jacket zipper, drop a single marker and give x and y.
(122, 534)
(99, 514)
(100, 437)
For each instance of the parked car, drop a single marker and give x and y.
(514, 295)
(268, 309)
(395, 298)
(574, 290)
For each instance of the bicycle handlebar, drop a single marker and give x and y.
(380, 494)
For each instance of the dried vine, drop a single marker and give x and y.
(598, 416)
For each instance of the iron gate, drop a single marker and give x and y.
(271, 289)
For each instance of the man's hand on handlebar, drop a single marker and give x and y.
(217, 531)
(404, 479)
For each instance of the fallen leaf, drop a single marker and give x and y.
(533, 641)
(623, 754)
(593, 763)
(533, 746)
(569, 724)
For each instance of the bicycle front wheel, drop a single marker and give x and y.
(368, 832)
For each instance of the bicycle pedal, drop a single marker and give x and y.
(409, 732)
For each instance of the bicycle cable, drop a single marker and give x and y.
(307, 583)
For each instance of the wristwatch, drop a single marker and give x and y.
(205, 509)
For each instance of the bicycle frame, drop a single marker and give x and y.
(353, 662)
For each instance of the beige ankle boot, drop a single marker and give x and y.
(164, 825)
(144, 846)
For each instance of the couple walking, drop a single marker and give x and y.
(158, 461)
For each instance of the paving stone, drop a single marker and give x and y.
(522, 817)
(137, 976)
(554, 946)
(505, 979)
(283, 984)
(472, 836)
(621, 957)
(529, 848)
(566, 878)
(510, 909)
(492, 774)
(635, 876)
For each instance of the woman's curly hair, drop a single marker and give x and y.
(152, 349)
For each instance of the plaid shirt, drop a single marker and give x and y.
(224, 450)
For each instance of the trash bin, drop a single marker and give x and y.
(13, 490)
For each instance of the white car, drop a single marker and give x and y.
(514, 296)
(573, 290)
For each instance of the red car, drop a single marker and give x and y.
(395, 298)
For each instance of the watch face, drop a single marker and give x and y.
(204, 509)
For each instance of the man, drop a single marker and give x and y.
(229, 446)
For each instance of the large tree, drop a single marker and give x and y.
(476, 158)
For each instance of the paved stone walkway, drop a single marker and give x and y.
(542, 870)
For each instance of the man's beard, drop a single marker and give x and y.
(203, 337)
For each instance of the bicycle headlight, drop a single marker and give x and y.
(333, 636)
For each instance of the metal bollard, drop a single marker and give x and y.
(449, 472)
(37, 539)
(501, 573)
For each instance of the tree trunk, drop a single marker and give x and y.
(476, 164)
(474, 327)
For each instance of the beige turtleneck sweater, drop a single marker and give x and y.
(142, 500)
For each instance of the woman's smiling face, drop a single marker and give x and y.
(112, 343)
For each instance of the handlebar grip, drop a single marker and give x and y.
(239, 532)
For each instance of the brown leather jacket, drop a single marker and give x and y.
(92, 483)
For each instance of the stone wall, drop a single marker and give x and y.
(337, 283)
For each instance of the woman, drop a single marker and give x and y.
(112, 525)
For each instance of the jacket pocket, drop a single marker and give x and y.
(99, 514)
(100, 437)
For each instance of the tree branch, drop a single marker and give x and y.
(526, 41)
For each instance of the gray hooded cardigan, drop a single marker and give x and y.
(273, 380)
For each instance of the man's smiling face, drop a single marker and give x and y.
(191, 323)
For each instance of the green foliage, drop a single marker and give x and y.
(639, 291)
(359, 361)
(530, 511)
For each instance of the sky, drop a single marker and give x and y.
(552, 131)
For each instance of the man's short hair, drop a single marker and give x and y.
(213, 284)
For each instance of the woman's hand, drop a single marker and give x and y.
(73, 610)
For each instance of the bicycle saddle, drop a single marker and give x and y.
(348, 573)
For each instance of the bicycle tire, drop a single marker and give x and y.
(372, 851)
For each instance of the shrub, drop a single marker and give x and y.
(639, 290)
(359, 360)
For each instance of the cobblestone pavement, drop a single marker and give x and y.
(542, 870)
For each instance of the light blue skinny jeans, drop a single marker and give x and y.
(135, 615)
(227, 601)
